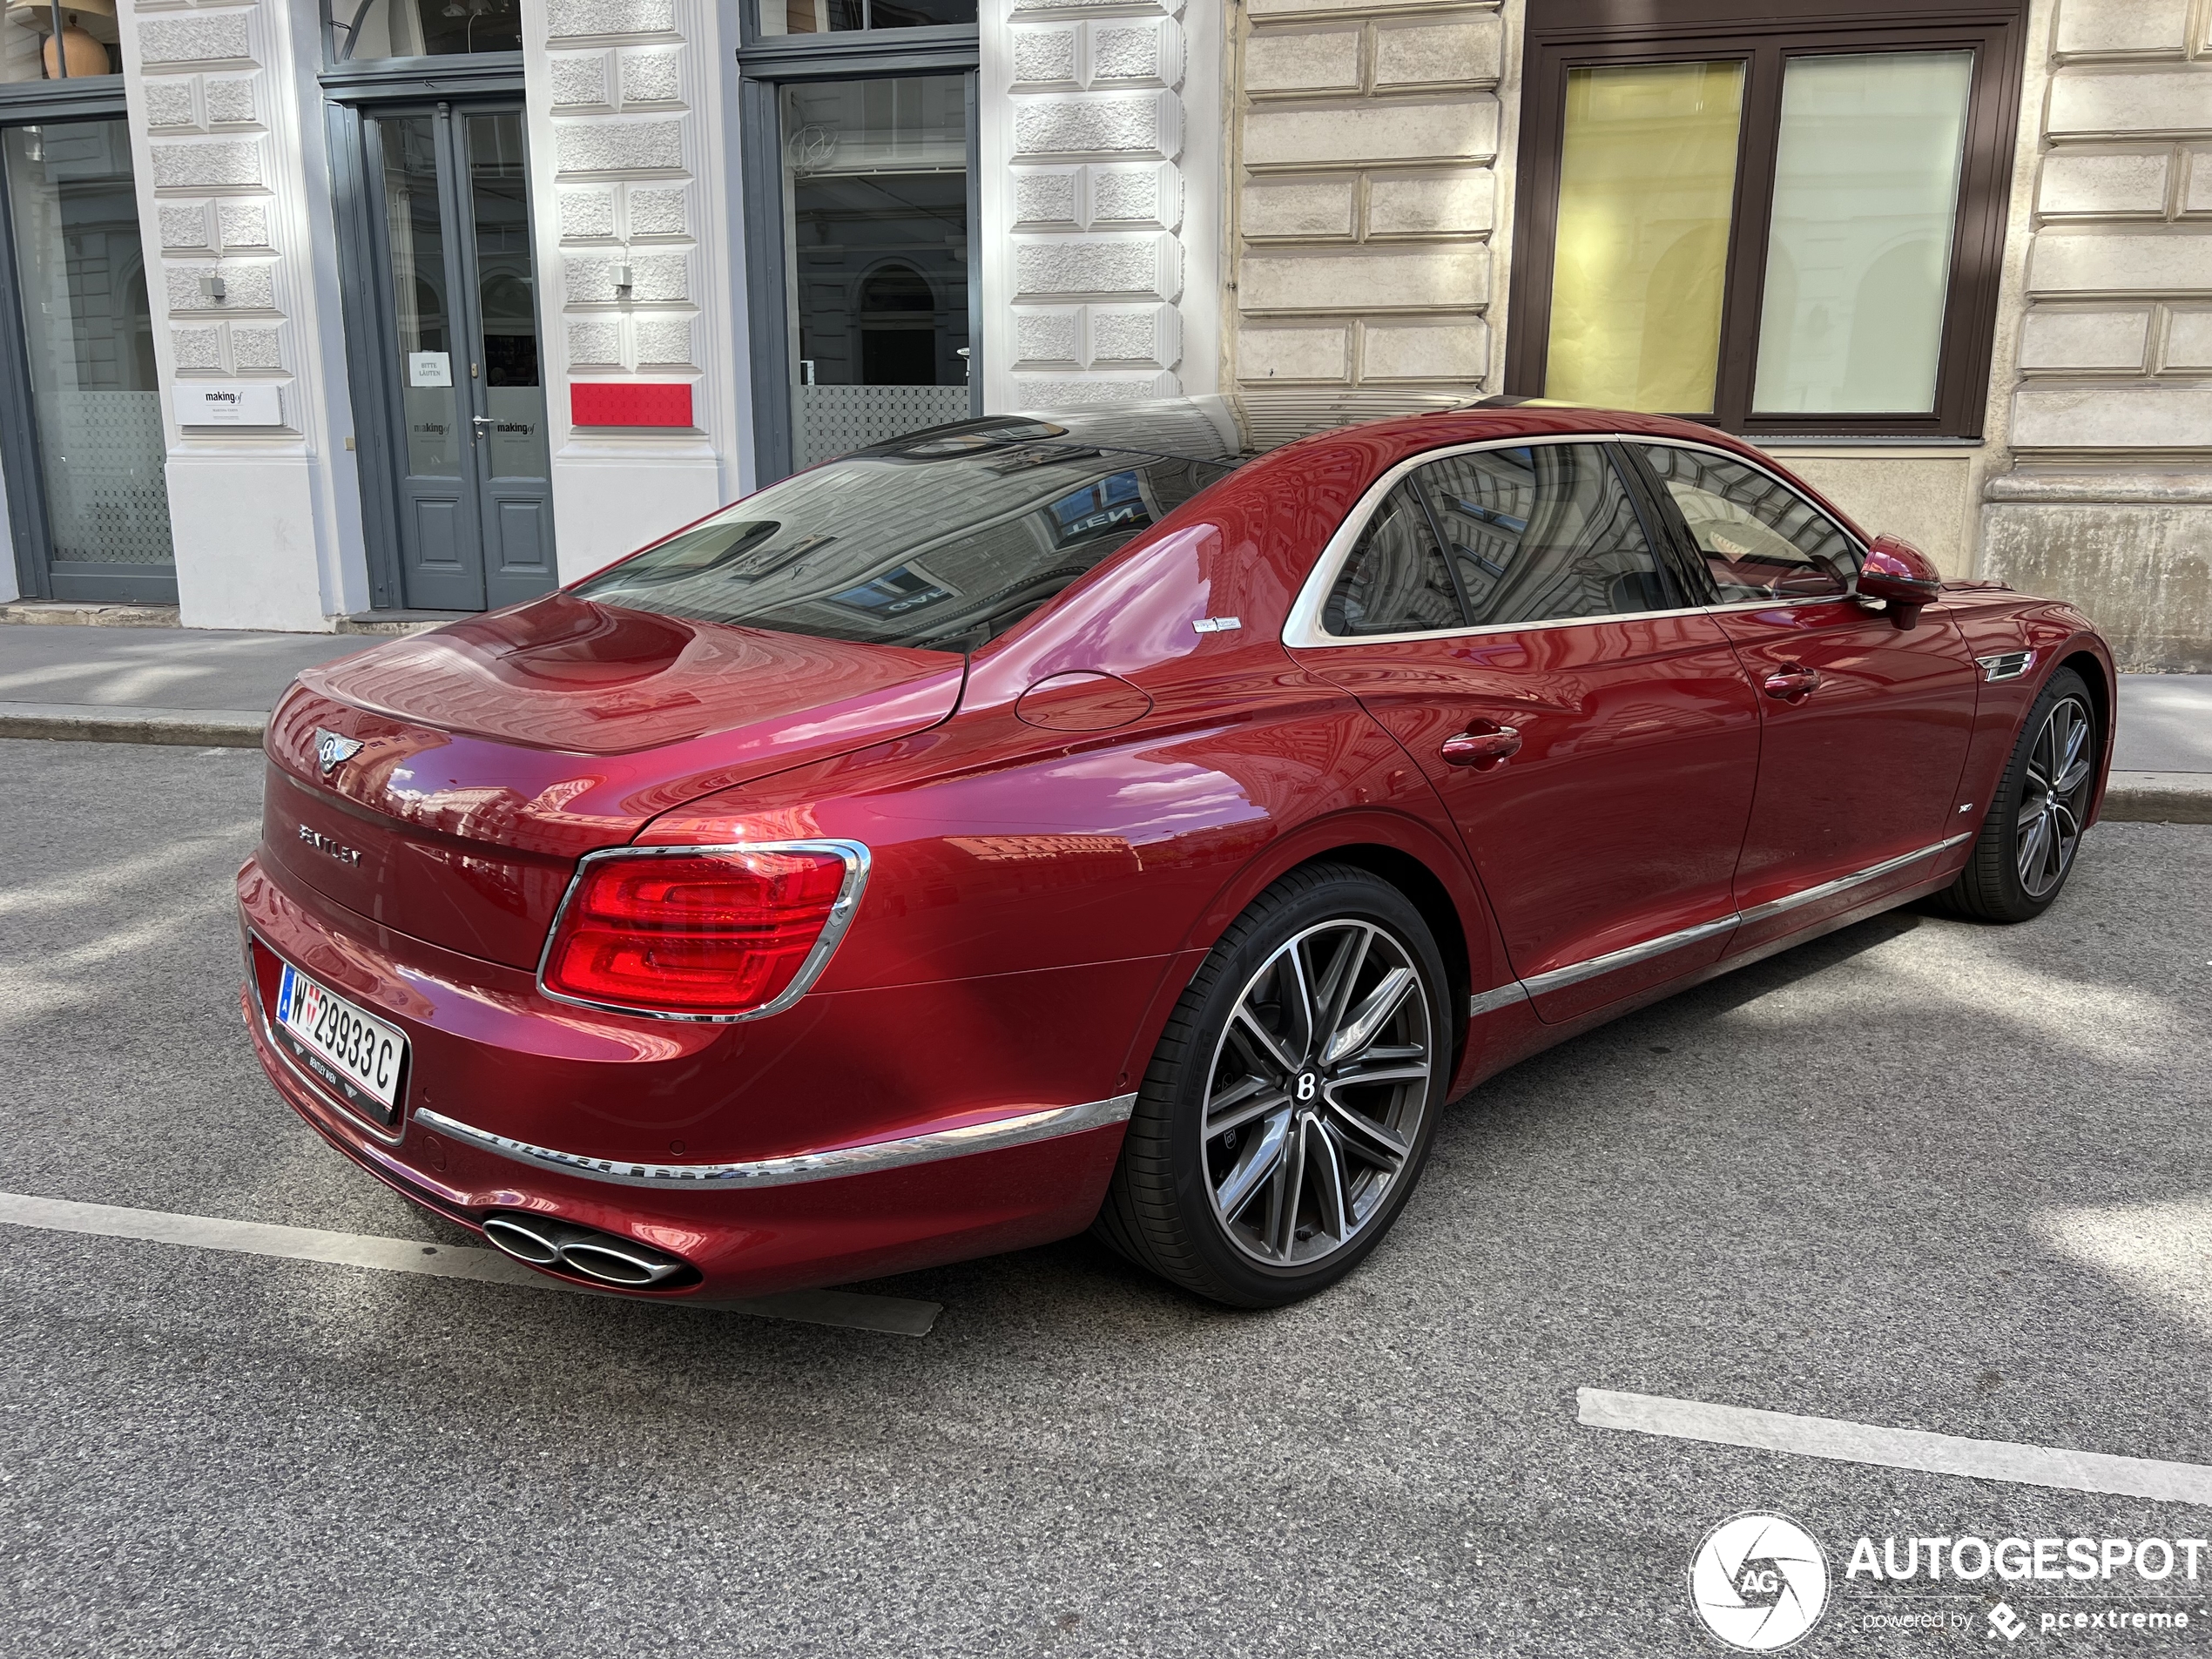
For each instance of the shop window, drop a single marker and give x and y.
(88, 41)
(364, 29)
(829, 16)
(1790, 228)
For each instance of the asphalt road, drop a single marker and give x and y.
(1899, 1176)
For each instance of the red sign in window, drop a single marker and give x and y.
(630, 403)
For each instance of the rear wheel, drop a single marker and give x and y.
(1289, 1108)
(2033, 828)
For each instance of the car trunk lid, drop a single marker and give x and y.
(494, 753)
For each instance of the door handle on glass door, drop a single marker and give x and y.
(480, 422)
(1792, 682)
(1484, 748)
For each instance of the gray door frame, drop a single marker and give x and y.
(31, 104)
(765, 65)
(356, 95)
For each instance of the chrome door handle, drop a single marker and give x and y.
(1482, 749)
(480, 422)
(1792, 683)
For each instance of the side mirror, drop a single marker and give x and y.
(1900, 575)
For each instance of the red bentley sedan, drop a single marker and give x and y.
(1046, 823)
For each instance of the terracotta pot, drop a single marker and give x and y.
(85, 56)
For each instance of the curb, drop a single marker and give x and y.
(2158, 797)
(94, 723)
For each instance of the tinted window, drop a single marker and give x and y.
(1760, 539)
(1395, 582)
(940, 542)
(1541, 533)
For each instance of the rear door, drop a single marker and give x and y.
(1864, 725)
(1505, 610)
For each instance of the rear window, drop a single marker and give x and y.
(908, 544)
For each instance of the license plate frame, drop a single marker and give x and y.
(357, 1056)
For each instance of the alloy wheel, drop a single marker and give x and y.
(1315, 1099)
(2049, 825)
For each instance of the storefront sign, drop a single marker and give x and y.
(228, 405)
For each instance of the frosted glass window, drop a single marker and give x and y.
(1858, 259)
(1647, 177)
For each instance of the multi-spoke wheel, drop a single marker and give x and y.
(2059, 763)
(2033, 828)
(1286, 1116)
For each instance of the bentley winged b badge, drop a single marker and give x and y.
(333, 752)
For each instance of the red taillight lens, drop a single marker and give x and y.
(693, 933)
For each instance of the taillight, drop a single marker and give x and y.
(707, 934)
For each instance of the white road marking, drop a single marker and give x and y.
(891, 1314)
(1896, 1448)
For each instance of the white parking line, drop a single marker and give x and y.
(1896, 1448)
(893, 1315)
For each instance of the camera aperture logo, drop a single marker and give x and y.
(1759, 1583)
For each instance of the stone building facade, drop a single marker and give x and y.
(1311, 204)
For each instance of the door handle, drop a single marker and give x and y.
(480, 422)
(1792, 683)
(1482, 749)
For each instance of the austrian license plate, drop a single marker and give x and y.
(359, 1057)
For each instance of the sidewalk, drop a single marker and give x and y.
(189, 687)
(182, 685)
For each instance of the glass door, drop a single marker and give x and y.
(464, 383)
(87, 479)
(876, 226)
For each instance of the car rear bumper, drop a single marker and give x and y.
(484, 1128)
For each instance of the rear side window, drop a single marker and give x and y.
(1395, 580)
(1759, 538)
(1542, 533)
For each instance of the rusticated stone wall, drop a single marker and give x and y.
(2109, 498)
(1101, 129)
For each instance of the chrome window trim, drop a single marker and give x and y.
(1043, 1123)
(1591, 968)
(855, 855)
(1793, 487)
(1302, 628)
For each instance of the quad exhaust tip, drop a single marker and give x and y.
(603, 1257)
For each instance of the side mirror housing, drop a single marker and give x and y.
(1900, 575)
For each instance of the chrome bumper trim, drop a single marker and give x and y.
(1045, 1124)
(1844, 884)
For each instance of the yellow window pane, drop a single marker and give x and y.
(1646, 177)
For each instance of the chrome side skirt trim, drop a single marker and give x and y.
(1504, 996)
(1020, 1131)
(1575, 973)
(1843, 884)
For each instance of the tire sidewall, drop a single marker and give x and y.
(1342, 895)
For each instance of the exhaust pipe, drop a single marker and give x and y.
(601, 1257)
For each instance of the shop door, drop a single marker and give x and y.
(464, 381)
(80, 410)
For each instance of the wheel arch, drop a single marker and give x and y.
(2097, 675)
(1411, 857)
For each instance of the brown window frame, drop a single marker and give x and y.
(1763, 35)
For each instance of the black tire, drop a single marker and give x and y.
(1162, 1211)
(1995, 886)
